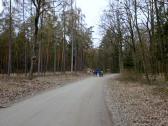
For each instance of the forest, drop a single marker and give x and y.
(135, 37)
(39, 36)
(58, 69)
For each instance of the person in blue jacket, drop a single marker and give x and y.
(98, 72)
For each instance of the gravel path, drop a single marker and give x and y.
(78, 104)
(134, 104)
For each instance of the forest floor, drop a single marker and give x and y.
(133, 103)
(16, 88)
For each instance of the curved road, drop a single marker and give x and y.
(77, 104)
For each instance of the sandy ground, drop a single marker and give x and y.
(17, 88)
(135, 104)
(77, 104)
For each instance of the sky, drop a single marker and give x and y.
(93, 10)
(0, 6)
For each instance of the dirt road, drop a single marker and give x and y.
(77, 104)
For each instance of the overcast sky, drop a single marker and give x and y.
(93, 10)
(0, 6)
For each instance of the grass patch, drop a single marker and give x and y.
(130, 76)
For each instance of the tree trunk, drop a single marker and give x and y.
(34, 57)
(141, 44)
(63, 43)
(55, 56)
(40, 47)
(10, 40)
(120, 39)
(72, 38)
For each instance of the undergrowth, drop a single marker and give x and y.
(159, 86)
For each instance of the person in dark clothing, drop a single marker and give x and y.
(98, 72)
(101, 73)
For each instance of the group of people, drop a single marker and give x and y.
(98, 72)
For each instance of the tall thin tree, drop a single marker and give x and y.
(72, 38)
(10, 39)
